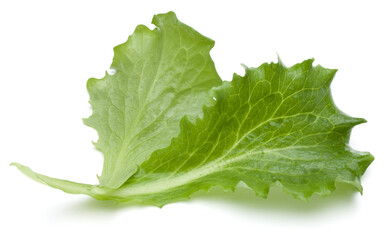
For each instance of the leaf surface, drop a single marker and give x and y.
(165, 137)
(275, 125)
(160, 76)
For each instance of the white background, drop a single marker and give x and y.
(48, 50)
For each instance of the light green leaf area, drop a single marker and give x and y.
(274, 125)
(160, 76)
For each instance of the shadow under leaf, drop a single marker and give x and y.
(279, 201)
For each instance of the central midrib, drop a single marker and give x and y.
(204, 170)
(164, 184)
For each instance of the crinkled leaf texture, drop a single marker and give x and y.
(275, 125)
(160, 76)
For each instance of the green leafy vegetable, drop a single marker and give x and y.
(138, 109)
(275, 125)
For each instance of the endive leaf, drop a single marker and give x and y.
(160, 76)
(275, 125)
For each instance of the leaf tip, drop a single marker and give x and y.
(13, 164)
(159, 19)
(279, 61)
(244, 66)
(361, 120)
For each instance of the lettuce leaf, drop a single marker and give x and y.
(274, 125)
(160, 76)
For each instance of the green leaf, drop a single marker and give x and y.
(275, 125)
(160, 76)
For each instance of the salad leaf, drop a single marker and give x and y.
(160, 76)
(274, 125)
